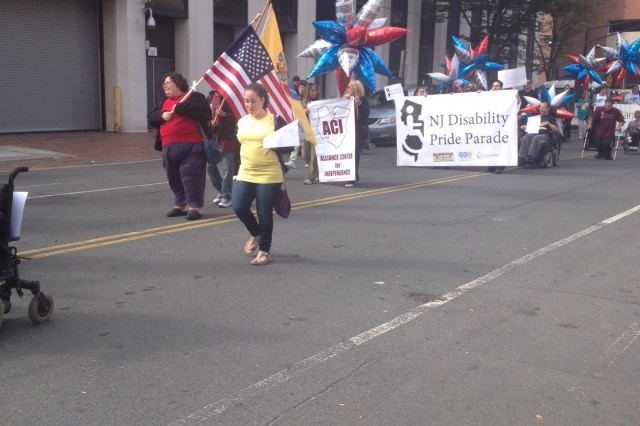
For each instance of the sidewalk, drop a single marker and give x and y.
(64, 149)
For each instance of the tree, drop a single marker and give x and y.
(503, 20)
(562, 21)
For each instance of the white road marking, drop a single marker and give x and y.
(282, 376)
(96, 190)
(621, 344)
(35, 186)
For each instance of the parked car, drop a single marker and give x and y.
(382, 117)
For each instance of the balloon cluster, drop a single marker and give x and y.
(345, 44)
(583, 68)
(476, 61)
(617, 62)
(622, 59)
(556, 102)
(450, 77)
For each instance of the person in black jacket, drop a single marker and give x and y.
(355, 90)
(181, 122)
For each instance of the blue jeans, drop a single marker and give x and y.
(265, 195)
(223, 183)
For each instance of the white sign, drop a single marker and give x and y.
(17, 211)
(464, 129)
(533, 124)
(628, 111)
(285, 136)
(393, 91)
(513, 78)
(333, 124)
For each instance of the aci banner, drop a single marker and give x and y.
(333, 123)
(463, 129)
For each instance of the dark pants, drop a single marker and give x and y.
(265, 195)
(185, 165)
(358, 152)
(604, 145)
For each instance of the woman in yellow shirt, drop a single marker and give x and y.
(260, 175)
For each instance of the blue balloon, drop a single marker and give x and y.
(468, 70)
(480, 59)
(378, 64)
(326, 62)
(492, 66)
(632, 67)
(364, 71)
(331, 31)
(544, 94)
(595, 77)
(459, 43)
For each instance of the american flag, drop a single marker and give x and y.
(247, 61)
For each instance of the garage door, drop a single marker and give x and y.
(50, 62)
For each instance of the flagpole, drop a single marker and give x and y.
(258, 18)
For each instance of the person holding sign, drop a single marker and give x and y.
(531, 144)
(355, 91)
(260, 175)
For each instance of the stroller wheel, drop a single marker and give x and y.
(38, 312)
(554, 157)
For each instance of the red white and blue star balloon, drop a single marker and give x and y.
(476, 61)
(623, 59)
(346, 44)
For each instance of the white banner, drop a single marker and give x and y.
(333, 124)
(628, 111)
(463, 129)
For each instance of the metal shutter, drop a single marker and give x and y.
(50, 62)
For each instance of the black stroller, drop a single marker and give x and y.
(41, 305)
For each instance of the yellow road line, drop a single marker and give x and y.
(169, 229)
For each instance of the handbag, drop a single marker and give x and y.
(212, 149)
(282, 205)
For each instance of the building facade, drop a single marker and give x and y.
(97, 64)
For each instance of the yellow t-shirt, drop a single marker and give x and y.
(256, 164)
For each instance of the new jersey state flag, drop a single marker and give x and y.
(270, 37)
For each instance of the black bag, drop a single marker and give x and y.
(157, 145)
(282, 204)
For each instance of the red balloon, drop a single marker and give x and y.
(621, 74)
(573, 59)
(383, 35)
(563, 113)
(342, 80)
(482, 47)
(447, 65)
(356, 36)
(530, 109)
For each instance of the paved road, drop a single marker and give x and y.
(423, 296)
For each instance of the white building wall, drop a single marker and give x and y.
(194, 43)
(124, 64)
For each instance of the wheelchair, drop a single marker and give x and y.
(41, 305)
(630, 142)
(548, 154)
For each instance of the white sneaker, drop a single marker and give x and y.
(290, 165)
(306, 166)
(224, 203)
(217, 199)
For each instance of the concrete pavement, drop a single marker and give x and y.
(66, 149)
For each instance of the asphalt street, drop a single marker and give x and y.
(421, 297)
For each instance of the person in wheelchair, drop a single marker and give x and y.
(633, 130)
(532, 144)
